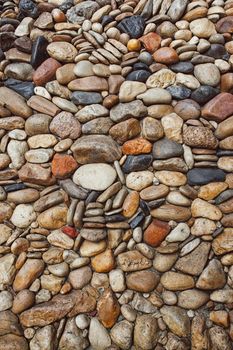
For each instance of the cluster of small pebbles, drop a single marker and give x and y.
(116, 174)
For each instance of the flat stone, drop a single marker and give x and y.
(172, 125)
(182, 67)
(106, 149)
(175, 281)
(176, 319)
(53, 218)
(39, 53)
(92, 83)
(20, 71)
(25, 89)
(133, 261)
(108, 309)
(140, 75)
(179, 92)
(46, 71)
(166, 148)
(161, 79)
(204, 94)
(86, 98)
(203, 176)
(202, 27)
(187, 109)
(80, 277)
(82, 11)
(201, 208)
(155, 95)
(14, 102)
(207, 74)
(121, 334)
(123, 111)
(7, 269)
(98, 335)
(131, 89)
(166, 55)
(219, 108)
(151, 41)
(152, 129)
(63, 165)
(89, 249)
(32, 269)
(62, 51)
(222, 243)
(126, 130)
(43, 105)
(23, 215)
(142, 281)
(212, 277)
(37, 124)
(94, 111)
(169, 212)
(225, 25)
(139, 180)
(179, 233)
(137, 163)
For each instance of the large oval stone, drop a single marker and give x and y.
(95, 176)
(106, 149)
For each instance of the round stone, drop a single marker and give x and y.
(96, 177)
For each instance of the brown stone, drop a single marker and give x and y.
(220, 317)
(159, 111)
(177, 281)
(166, 55)
(114, 82)
(35, 173)
(156, 232)
(53, 218)
(137, 146)
(223, 243)
(32, 269)
(125, 130)
(212, 277)
(133, 261)
(46, 71)
(169, 212)
(219, 108)
(142, 281)
(13, 342)
(151, 41)
(65, 73)
(14, 102)
(108, 309)
(103, 262)
(225, 25)
(199, 136)
(23, 301)
(89, 84)
(227, 82)
(63, 165)
(65, 125)
(53, 310)
(130, 204)
(43, 105)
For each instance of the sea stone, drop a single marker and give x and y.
(176, 281)
(28, 273)
(123, 111)
(106, 149)
(14, 102)
(219, 108)
(62, 51)
(134, 26)
(142, 281)
(202, 28)
(133, 261)
(201, 208)
(146, 332)
(156, 233)
(161, 79)
(212, 277)
(199, 136)
(177, 320)
(65, 125)
(82, 11)
(95, 176)
(203, 176)
(222, 244)
(108, 309)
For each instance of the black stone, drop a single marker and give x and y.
(137, 163)
(179, 92)
(24, 88)
(137, 220)
(12, 21)
(72, 189)
(138, 75)
(106, 20)
(224, 196)
(86, 98)
(182, 67)
(7, 40)
(2, 55)
(114, 218)
(28, 8)
(134, 26)
(15, 187)
(140, 66)
(92, 196)
(216, 51)
(204, 93)
(165, 148)
(223, 152)
(39, 53)
(156, 203)
(202, 176)
(144, 206)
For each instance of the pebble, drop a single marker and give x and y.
(115, 167)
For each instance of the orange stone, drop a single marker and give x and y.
(137, 146)
(46, 71)
(63, 165)
(227, 82)
(156, 232)
(133, 45)
(108, 309)
(103, 262)
(131, 204)
(166, 55)
(151, 41)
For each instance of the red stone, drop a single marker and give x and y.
(156, 232)
(219, 108)
(225, 25)
(166, 55)
(63, 165)
(46, 71)
(70, 231)
(151, 41)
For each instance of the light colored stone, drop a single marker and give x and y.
(161, 79)
(201, 208)
(129, 90)
(179, 233)
(23, 215)
(139, 180)
(98, 335)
